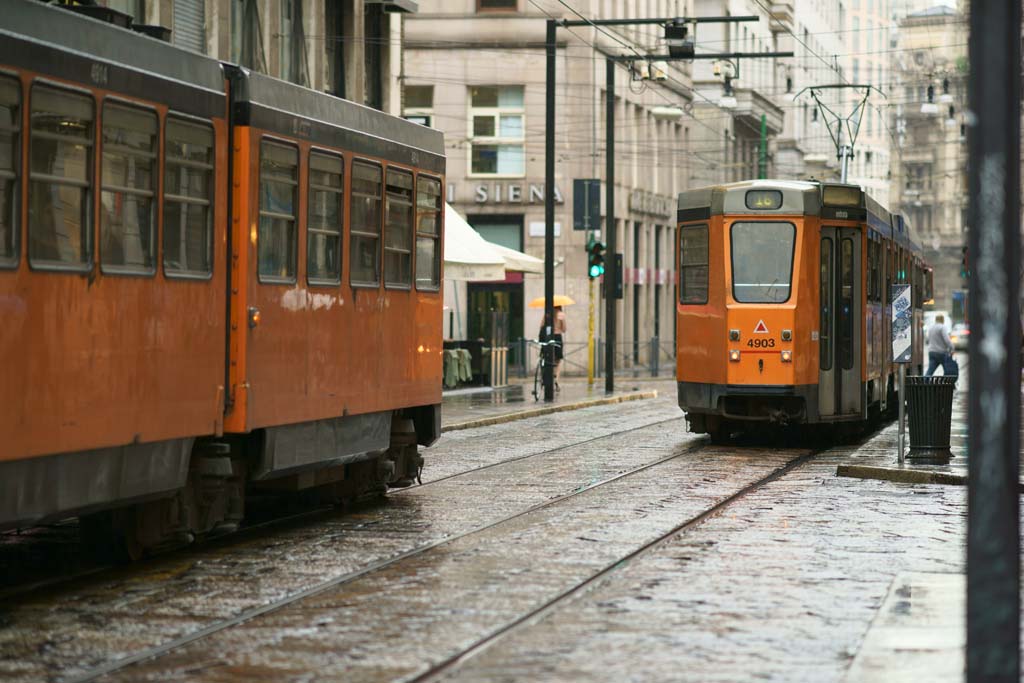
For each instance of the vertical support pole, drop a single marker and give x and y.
(590, 334)
(993, 510)
(901, 397)
(844, 167)
(549, 214)
(762, 162)
(610, 274)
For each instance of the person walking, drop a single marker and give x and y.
(940, 346)
(557, 335)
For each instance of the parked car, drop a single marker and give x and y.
(958, 335)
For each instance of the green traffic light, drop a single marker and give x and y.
(596, 270)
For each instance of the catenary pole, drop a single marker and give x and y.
(610, 273)
(549, 214)
(611, 283)
(993, 510)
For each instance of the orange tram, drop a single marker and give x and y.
(211, 282)
(784, 304)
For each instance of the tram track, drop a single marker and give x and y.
(337, 581)
(253, 531)
(567, 596)
(378, 613)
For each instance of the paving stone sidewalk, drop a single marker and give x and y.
(467, 408)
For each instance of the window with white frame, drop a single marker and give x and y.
(496, 131)
(419, 104)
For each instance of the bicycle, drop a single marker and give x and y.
(538, 374)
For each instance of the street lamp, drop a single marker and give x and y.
(945, 97)
(951, 119)
(929, 106)
(667, 113)
(728, 99)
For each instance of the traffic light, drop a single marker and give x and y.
(965, 270)
(595, 258)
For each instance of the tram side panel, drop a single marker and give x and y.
(327, 359)
(111, 286)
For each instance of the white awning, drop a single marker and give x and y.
(517, 261)
(467, 255)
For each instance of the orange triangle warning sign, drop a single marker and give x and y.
(760, 328)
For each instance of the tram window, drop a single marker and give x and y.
(825, 301)
(10, 165)
(60, 179)
(326, 213)
(276, 242)
(871, 270)
(127, 183)
(364, 252)
(428, 233)
(876, 274)
(693, 264)
(188, 198)
(762, 261)
(889, 265)
(847, 299)
(398, 229)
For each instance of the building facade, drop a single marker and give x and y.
(349, 48)
(739, 116)
(867, 43)
(476, 70)
(929, 166)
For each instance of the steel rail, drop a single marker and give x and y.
(526, 456)
(252, 613)
(247, 532)
(593, 580)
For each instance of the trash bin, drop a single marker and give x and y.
(930, 411)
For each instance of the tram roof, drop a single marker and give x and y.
(808, 198)
(96, 43)
(796, 197)
(275, 101)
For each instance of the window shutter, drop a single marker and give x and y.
(189, 30)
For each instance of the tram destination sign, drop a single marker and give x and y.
(902, 324)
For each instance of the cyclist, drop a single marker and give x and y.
(557, 335)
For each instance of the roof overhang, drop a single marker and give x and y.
(396, 6)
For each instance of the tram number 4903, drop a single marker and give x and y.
(761, 343)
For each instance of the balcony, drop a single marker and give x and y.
(780, 20)
(751, 104)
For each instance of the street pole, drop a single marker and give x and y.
(762, 165)
(590, 334)
(902, 398)
(549, 215)
(993, 509)
(610, 274)
(843, 165)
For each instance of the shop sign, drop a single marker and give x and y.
(512, 193)
(642, 201)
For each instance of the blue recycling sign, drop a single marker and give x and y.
(902, 324)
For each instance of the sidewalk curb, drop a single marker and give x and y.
(547, 410)
(900, 476)
(906, 476)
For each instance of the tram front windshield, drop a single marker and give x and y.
(762, 261)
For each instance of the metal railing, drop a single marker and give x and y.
(648, 358)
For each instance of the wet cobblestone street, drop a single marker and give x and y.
(599, 544)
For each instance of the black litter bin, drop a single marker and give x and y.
(930, 410)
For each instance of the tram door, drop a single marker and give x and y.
(839, 332)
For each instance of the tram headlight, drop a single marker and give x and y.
(734, 355)
(787, 356)
(787, 335)
(734, 335)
